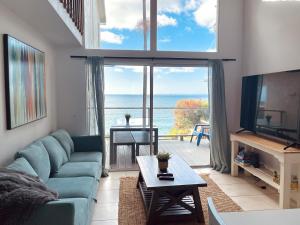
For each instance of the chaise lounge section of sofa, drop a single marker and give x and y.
(71, 166)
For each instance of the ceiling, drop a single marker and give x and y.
(42, 16)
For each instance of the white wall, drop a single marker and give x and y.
(71, 93)
(272, 36)
(230, 46)
(71, 98)
(13, 140)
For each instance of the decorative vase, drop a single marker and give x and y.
(268, 118)
(127, 119)
(163, 165)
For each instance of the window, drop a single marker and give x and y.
(182, 103)
(124, 94)
(181, 25)
(180, 100)
(187, 25)
(153, 70)
(127, 25)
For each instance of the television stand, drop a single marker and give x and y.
(295, 144)
(289, 162)
(242, 130)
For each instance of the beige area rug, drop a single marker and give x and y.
(131, 208)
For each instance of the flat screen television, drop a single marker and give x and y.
(270, 105)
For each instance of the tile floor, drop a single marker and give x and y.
(245, 191)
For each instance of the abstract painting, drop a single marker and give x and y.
(25, 85)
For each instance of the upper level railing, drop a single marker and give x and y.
(75, 9)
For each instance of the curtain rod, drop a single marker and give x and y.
(149, 58)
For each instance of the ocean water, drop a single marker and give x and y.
(118, 105)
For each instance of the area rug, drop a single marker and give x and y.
(131, 208)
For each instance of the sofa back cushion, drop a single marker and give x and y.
(38, 157)
(56, 152)
(65, 140)
(22, 165)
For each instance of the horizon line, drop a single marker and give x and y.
(153, 94)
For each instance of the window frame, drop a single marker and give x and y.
(154, 52)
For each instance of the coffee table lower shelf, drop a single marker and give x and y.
(163, 206)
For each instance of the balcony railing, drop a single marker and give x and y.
(164, 118)
(75, 9)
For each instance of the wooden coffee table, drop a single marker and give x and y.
(170, 200)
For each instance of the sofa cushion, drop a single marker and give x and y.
(65, 140)
(56, 153)
(22, 165)
(73, 187)
(86, 157)
(79, 169)
(38, 157)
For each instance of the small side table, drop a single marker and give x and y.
(122, 138)
(141, 138)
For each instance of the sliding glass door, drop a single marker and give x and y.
(167, 98)
(126, 108)
(180, 103)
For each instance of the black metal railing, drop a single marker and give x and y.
(164, 118)
(75, 9)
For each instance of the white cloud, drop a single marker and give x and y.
(118, 69)
(169, 6)
(128, 14)
(164, 20)
(168, 70)
(211, 50)
(181, 70)
(125, 14)
(135, 69)
(206, 14)
(191, 4)
(165, 40)
(110, 37)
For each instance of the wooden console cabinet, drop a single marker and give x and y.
(289, 161)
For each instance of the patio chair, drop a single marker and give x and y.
(204, 131)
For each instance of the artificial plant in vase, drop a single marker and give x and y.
(163, 161)
(127, 117)
(268, 118)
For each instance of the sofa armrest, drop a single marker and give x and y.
(60, 212)
(87, 143)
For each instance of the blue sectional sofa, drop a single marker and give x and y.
(69, 165)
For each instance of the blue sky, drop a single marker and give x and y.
(183, 25)
(185, 36)
(167, 80)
